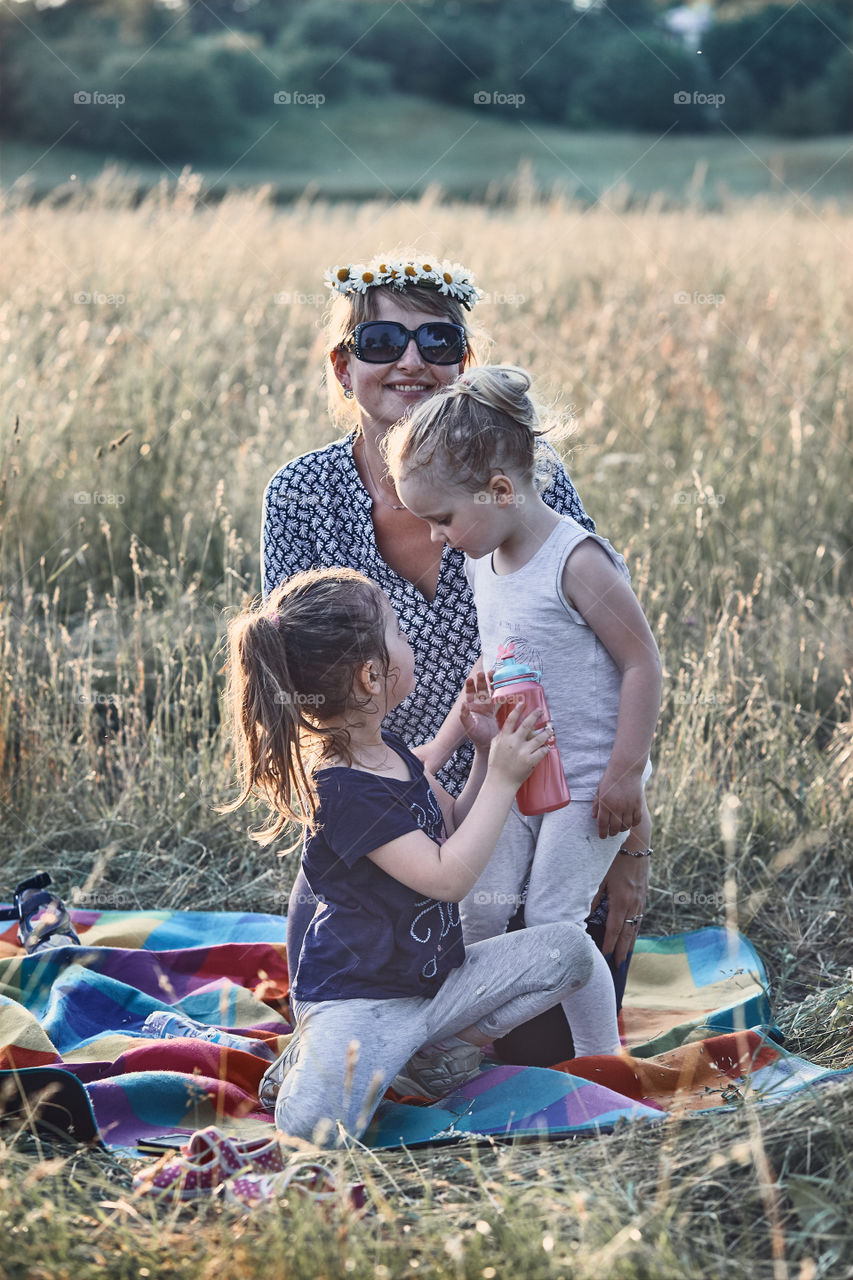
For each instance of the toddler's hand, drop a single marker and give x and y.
(477, 711)
(618, 803)
(519, 746)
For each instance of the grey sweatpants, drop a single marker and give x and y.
(350, 1050)
(562, 855)
(563, 860)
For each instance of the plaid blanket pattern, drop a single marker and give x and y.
(71, 1019)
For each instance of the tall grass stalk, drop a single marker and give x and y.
(162, 360)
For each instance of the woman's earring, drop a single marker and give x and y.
(348, 393)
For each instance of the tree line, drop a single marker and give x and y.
(186, 81)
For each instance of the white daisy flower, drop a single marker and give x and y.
(430, 272)
(457, 282)
(450, 278)
(338, 278)
(389, 270)
(361, 277)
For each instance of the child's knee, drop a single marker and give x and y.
(327, 1119)
(568, 953)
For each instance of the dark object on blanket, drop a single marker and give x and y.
(546, 1039)
(43, 919)
(49, 1101)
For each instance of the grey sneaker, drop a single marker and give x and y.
(275, 1073)
(433, 1073)
(169, 1025)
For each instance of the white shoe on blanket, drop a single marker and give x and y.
(434, 1072)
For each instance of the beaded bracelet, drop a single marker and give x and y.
(636, 853)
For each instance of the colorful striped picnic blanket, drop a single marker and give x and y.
(71, 1019)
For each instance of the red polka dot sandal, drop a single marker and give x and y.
(302, 1179)
(208, 1160)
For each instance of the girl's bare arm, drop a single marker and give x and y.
(450, 870)
(604, 599)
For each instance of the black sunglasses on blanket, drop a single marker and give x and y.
(384, 341)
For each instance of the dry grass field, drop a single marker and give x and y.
(160, 360)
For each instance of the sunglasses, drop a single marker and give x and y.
(384, 341)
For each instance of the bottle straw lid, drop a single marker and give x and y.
(508, 669)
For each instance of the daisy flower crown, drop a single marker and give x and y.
(449, 278)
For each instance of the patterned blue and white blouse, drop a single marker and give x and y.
(317, 515)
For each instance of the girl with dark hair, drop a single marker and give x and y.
(388, 853)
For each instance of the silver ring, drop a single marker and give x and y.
(634, 920)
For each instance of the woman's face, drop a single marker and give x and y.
(383, 392)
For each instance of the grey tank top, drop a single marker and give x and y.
(580, 679)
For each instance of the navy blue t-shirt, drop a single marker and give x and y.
(371, 936)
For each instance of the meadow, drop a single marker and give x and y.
(162, 359)
(400, 145)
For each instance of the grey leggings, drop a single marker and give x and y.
(350, 1050)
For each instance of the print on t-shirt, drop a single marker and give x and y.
(518, 649)
(433, 920)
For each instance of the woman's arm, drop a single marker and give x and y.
(604, 599)
(287, 541)
(626, 885)
(449, 871)
(561, 495)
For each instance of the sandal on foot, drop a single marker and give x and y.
(43, 919)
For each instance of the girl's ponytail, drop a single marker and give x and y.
(501, 388)
(292, 662)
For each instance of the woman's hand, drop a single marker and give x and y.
(477, 712)
(626, 885)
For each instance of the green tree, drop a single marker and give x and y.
(781, 48)
(41, 80)
(744, 110)
(824, 106)
(243, 64)
(323, 70)
(632, 84)
(176, 106)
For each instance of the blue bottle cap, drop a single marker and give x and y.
(508, 669)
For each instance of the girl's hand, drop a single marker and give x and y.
(477, 712)
(519, 746)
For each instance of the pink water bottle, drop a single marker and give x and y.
(546, 789)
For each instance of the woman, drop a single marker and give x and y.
(397, 333)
